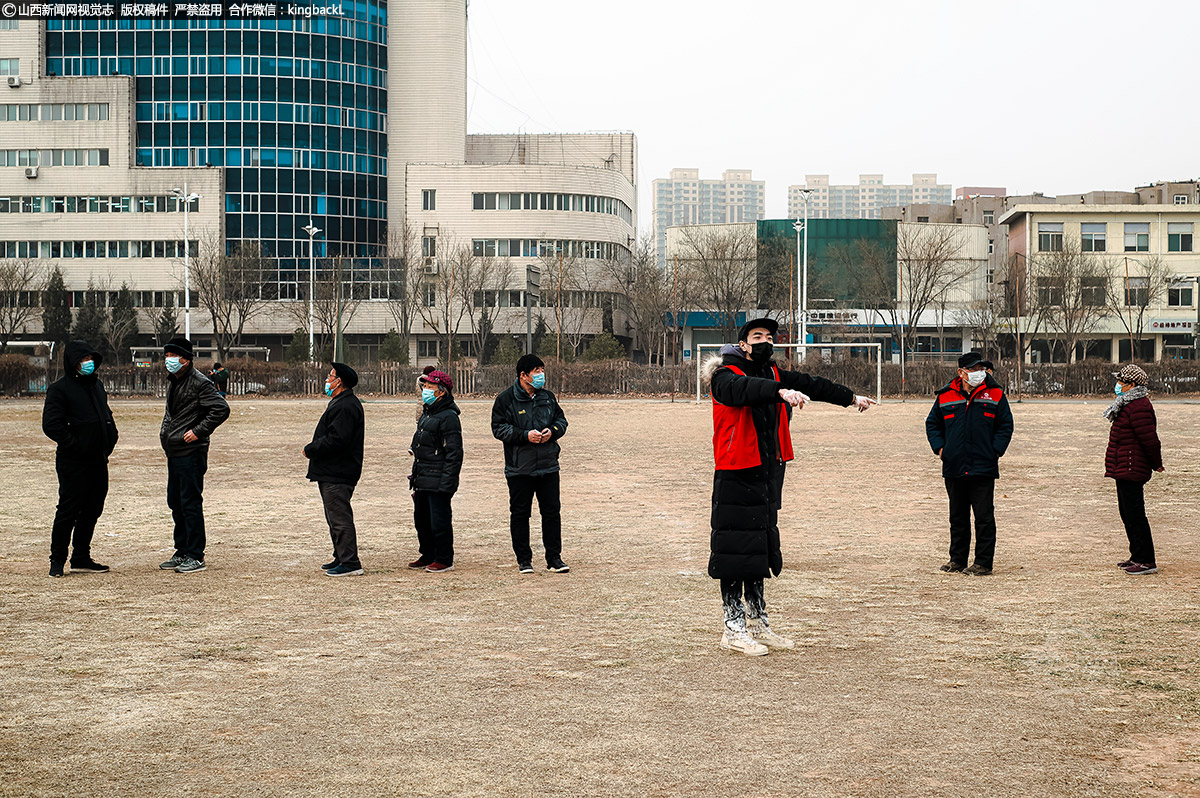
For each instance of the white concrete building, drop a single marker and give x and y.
(685, 199)
(864, 200)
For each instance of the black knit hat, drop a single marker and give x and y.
(970, 360)
(770, 325)
(528, 363)
(347, 375)
(180, 346)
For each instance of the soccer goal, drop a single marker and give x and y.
(878, 347)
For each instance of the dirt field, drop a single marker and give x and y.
(1058, 676)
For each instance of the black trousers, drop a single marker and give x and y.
(521, 490)
(1131, 501)
(82, 488)
(340, 517)
(185, 497)
(434, 521)
(969, 494)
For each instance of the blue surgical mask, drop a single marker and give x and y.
(174, 364)
(87, 368)
(1117, 389)
(538, 380)
(328, 389)
(428, 395)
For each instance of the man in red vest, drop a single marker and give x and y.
(752, 404)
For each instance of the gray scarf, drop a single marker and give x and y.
(1136, 392)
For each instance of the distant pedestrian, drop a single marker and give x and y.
(220, 378)
(437, 451)
(194, 411)
(76, 416)
(335, 460)
(527, 418)
(969, 428)
(1134, 452)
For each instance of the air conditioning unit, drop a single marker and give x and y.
(31, 172)
(431, 266)
(14, 82)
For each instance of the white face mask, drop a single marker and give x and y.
(975, 378)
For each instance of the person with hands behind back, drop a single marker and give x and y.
(335, 462)
(1134, 451)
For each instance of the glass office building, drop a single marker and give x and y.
(294, 109)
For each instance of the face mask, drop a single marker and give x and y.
(328, 389)
(538, 380)
(761, 351)
(174, 364)
(428, 395)
(87, 368)
(1117, 389)
(975, 378)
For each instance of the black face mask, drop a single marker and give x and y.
(761, 352)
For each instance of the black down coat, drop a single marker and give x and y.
(76, 415)
(335, 454)
(514, 415)
(1134, 450)
(193, 403)
(745, 542)
(437, 447)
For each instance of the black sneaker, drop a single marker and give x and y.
(190, 565)
(975, 569)
(342, 569)
(56, 570)
(953, 567)
(525, 566)
(557, 566)
(329, 565)
(173, 563)
(89, 565)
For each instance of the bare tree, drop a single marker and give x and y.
(406, 266)
(232, 288)
(482, 283)
(1070, 296)
(121, 327)
(644, 293)
(871, 273)
(720, 264)
(21, 284)
(1143, 283)
(930, 261)
(338, 290)
(439, 306)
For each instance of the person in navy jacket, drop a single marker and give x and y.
(969, 428)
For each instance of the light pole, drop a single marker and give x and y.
(187, 199)
(312, 231)
(801, 227)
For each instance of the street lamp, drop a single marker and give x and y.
(801, 226)
(312, 231)
(187, 199)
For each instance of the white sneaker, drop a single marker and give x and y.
(743, 642)
(764, 635)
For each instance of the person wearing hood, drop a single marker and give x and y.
(437, 451)
(194, 411)
(753, 400)
(1134, 453)
(969, 428)
(76, 416)
(335, 461)
(528, 420)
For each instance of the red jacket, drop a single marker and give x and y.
(735, 441)
(1134, 451)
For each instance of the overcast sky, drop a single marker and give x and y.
(1048, 96)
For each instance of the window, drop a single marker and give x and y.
(1137, 236)
(430, 295)
(1137, 292)
(991, 246)
(429, 246)
(1049, 291)
(989, 217)
(429, 199)
(10, 66)
(1181, 199)
(1050, 238)
(922, 219)
(1093, 237)
(1093, 291)
(1179, 295)
(1179, 236)
(427, 348)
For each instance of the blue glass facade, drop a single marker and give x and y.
(295, 110)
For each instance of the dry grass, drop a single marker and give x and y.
(1059, 676)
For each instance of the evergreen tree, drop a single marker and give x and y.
(297, 348)
(507, 352)
(392, 348)
(166, 323)
(91, 321)
(604, 347)
(122, 328)
(56, 314)
(540, 331)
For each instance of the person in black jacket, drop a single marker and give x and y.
(76, 416)
(220, 377)
(752, 403)
(335, 460)
(527, 418)
(194, 410)
(969, 428)
(437, 452)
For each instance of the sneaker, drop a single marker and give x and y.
(190, 565)
(743, 642)
(419, 563)
(89, 565)
(438, 568)
(56, 570)
(341, 569)
(525, 567)
(1141, 569)
(328, 565)
(557, 566)
(764, 635)
(1124, 564)
(975, 569)
(953, 567)
(173, 563)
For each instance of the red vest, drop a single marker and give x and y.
(735, 441)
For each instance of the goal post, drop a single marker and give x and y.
(878, 347)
